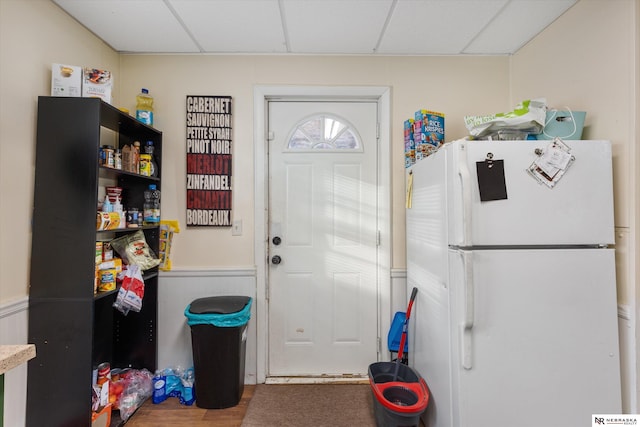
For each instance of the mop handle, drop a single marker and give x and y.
(405, 325)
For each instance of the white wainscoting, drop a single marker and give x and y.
(399, 296)
(177, 289)
(629, 376)
(14, 321)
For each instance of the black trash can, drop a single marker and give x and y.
(218, 339)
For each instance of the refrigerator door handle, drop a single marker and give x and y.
(469, 311)
(465, 186)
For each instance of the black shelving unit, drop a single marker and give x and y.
(73, 329)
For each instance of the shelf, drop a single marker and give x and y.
(69, 325)
(101, 295)
(129, 230)
(150, 274)
(121, 122)
(118, 172)
(146, 276)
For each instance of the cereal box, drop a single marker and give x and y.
(409, 144)
(97, 84)
(428, 132)
(66, 80)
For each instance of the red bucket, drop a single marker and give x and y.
(400, 394)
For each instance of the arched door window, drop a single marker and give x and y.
(324, 133)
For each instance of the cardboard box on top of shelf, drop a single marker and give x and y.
(66, 80)
(97, 83)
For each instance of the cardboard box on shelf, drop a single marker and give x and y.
(102, 418)
(97, 84)
(66, 80)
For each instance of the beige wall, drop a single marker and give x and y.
(587, 60)
(587, 65)
(584, 60)
(33, 35)
(447, 84)
(36, 33)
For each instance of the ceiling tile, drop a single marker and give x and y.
(240, 26)
(435, 27)
(388, 27)
(131, 25)
(335, 26)
(519, 22)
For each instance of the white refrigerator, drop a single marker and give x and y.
(515, 321)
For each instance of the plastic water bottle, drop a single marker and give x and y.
(148, 149)
(188, 381)
(151, 209)
(144, 107)
(159, 387)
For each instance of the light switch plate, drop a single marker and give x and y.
(236, 228)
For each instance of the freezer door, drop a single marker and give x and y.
(535, 337)
(577, 211)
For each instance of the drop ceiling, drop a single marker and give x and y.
(341, 27)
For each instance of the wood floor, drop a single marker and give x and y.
(172, 413)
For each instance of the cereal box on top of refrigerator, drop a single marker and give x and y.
(428, 132)
(409, 144)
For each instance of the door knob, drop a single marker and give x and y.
(276, 240)
(276, 259)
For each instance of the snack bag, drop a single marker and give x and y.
(131, 292)
(138, 388)
(167, 228)
(527, 117)
(133, 249)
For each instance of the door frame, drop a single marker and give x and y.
(262, 95)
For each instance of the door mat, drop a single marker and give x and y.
(318, 405)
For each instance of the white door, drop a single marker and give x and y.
(322, 284)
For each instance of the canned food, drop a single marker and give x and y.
(115, 374)
(108, 156)
(132, 217)
(145, 164)
(107, 280)
(104, 373)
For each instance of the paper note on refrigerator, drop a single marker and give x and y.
(552, 162)
(409, 190)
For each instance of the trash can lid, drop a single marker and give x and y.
(219, 305)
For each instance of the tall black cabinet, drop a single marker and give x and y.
(73, 329)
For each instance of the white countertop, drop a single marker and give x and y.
(14, 355)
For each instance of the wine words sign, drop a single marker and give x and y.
(209, 161)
